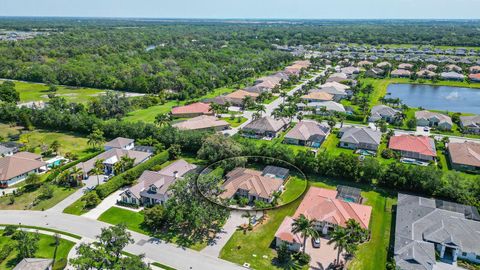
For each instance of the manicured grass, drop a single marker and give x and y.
(25, 201)
(293, 189)
(330, 145)
(77, 208)
(133, 220)
(30, 91)
(371, 255)
(46, 249)
(241, 247)
(163, 266)
(69, 142)
(148, 115)
(235, 122)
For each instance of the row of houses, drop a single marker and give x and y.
(411, 50)
(413, 58)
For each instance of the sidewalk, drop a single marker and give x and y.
(104, 205)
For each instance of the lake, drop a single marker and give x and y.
(432, 97)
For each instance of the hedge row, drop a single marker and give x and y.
(128, 177)
(56, 171)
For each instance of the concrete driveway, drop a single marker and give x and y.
(321, 257)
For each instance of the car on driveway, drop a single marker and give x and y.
(316, 242)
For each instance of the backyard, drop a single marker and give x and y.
(69, 142)
(252, 246)
(46, 249)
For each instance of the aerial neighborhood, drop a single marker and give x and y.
(178, 144)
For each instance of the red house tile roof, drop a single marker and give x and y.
(417, 144)
(323, 205)
(194, 108)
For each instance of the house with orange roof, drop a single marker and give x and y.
(192, 110)
(329, 209)
(416, 147)
(464, 156)
(474, 77)
(236, 98)
(317, 97)
(252, 184)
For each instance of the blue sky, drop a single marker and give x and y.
(289, 9)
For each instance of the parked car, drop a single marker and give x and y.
(316, 242)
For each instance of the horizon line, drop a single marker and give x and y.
(239, 18)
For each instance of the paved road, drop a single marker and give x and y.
(269, 107)
(154, 249)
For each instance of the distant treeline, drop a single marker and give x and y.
(190, 57)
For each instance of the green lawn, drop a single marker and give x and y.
(69, 142)
(330, 145)
(372, 255)
(25, 201)
(46, 248)
(133, 220)
(30, 91)
(6, 130)
(77, 208)
(148, 115)
(241, 247)
(293, 189)
(237, 121)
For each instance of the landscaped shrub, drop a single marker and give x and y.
(130, 176)
(55, 172)
(303, 258)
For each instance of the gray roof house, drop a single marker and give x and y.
(307, 133)
(470, 124)
(34, 264)
(400, 73)
(337, 92)
(383, 112)
(328, 106)
(433, 119)
(6, 151)
(264, 127)
(153, 187)
(425, 226)
(110, 157)
(120, 143)
(360, 138)
(454, 76)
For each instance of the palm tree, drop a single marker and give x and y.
(339, 237)
(95, 138)
(55, 146)
(74, 174)
(305, 227)
(215, 108)
(283, 95)
(260, 108)
(163, 119)
(356, 234)
(98, 168)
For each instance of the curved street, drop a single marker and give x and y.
(153, 248)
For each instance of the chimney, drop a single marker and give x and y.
(175, 174)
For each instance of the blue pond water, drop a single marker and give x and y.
(445, 98)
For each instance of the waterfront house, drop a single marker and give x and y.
(470, 124)
(405, 66)
(474, 77)
(453, 76)
(383, 112)
(400, 73)
(433, 119)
